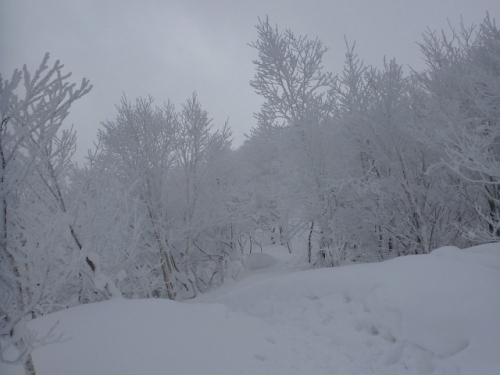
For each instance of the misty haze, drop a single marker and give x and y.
(268, 188)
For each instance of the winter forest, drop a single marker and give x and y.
(358, 166)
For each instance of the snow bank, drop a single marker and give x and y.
(120, 337)
(426, 314)
(430, 314)
(259, 260)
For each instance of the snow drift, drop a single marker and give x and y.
(421, 314)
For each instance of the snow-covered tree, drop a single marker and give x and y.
(406, 209)
(462, 79)
(32, 160)
(198, 149)
(291, 79)
(140, 146)
(199, 228)
(289, 76)
(167, 167)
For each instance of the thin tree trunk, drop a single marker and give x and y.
(29, 366)
(166, 268)
(166, 265)
(309, 243)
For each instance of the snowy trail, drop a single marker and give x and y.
(428, 314)
(431, 314)
(328, 334)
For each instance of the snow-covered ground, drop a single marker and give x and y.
(423, 314)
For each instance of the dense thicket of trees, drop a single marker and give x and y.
(374, 163)
(362, 166)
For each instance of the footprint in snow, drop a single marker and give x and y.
(270, 340)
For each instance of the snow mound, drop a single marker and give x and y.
(130, 337)
(422, 314)
(487, 255)
(259, 260)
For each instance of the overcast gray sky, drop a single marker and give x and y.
(170, 48)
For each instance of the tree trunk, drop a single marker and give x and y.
(166, 269)
(29, 366)
(309, 243)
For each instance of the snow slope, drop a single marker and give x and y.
(424, 314)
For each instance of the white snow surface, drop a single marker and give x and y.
(256, 261)
(422, 314)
